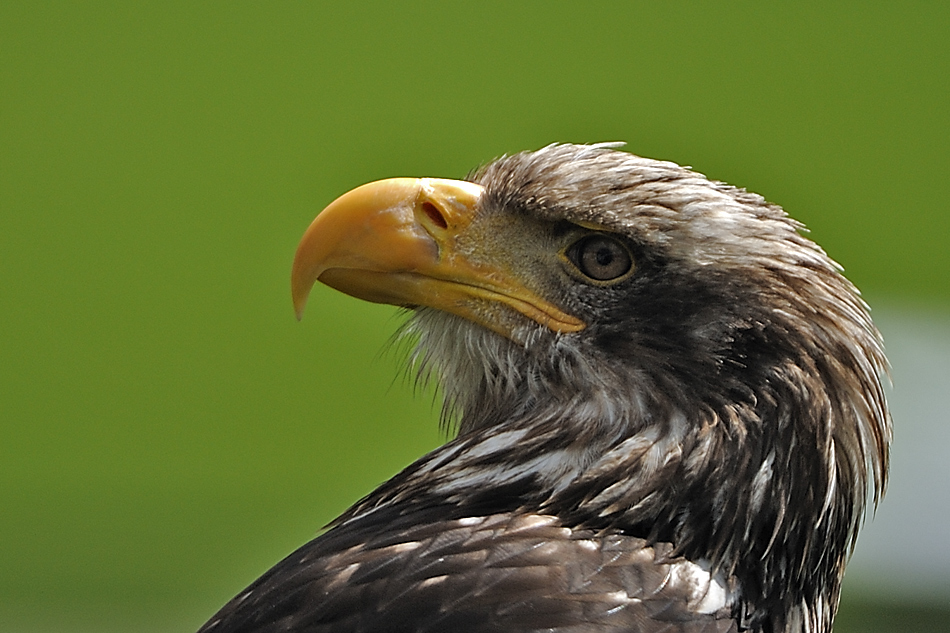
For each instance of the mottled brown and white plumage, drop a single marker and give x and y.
(696, 456)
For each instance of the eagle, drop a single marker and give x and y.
(668, 407)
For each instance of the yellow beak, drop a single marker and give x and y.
(396, 241)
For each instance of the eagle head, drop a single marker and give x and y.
(634, 352)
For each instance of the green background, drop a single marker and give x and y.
(167, 429)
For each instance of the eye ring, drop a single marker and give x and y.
(600, 258)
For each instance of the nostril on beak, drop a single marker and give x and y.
(434, 214)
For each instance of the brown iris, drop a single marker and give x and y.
(600, 257)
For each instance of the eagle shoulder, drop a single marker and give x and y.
(508, 571)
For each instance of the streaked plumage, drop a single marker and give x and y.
(693, 452)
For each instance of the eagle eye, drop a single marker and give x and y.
(600, 257)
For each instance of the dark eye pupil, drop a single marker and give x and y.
(601, 258)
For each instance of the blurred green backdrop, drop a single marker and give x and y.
(167, 429)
